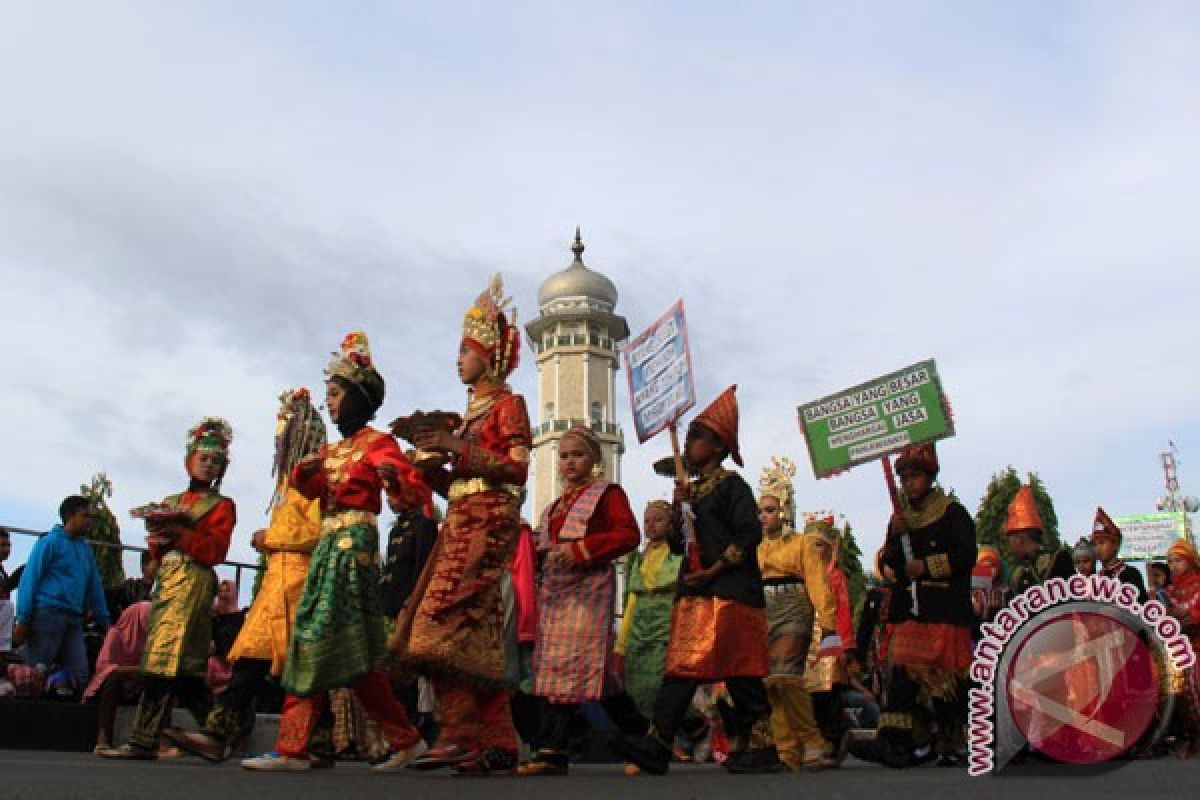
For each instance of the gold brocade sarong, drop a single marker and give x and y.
(180, 633)
(713, 639)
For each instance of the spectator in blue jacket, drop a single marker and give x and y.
(60, 583)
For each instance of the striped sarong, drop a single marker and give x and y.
(575, 615)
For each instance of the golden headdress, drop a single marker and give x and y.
(490, 327)
(776, 481)
(353, 364)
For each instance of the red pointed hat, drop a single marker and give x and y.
(722, 419)
(921, 457)
(1104, 527)
(1023, 515)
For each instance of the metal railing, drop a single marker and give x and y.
(238, 566)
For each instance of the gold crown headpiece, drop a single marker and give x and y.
(491, 325)
(776, 481)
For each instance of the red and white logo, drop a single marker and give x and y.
(1083, 687)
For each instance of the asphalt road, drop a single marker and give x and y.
(51, 775)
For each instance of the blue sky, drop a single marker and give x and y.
(197, 201)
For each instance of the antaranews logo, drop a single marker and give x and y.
(1073, 669)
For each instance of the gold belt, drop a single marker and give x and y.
(464, 487)
(344, 519)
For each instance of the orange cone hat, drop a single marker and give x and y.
(1023, 515)
(722, 419)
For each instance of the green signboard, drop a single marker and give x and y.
(1146, 537)
(876, 418)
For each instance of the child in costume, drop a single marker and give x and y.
(452, 629)
(580, 535)
(930, 545)
(187, 547)
(339, 638)
(650, 578)
(719, 622)
(796, 586)
(260, 649)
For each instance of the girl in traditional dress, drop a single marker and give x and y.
(260, 649)
(1184, 597)
(580, 535)
(188, 546)
(340, 635)
(452, 629)
(650, 578)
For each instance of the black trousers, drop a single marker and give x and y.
(558, 721)
(159, 696)
(674, 698)
(229, 715)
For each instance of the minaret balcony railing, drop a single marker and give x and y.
(564, 425)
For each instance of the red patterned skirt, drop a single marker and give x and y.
(930, 644)
(713, 639)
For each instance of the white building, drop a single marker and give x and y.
(575, 341)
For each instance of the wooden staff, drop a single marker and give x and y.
(691, 551)
(897, 508)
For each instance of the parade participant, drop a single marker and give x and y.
(1035, 564)
(1106, 538)
(871, 638)
(260, 649)
(580, 535)
(453, 627)
(1184, 605)
(187, 548)
(831, 649)
(930, 649)
(650, 578)
(1159, 575)
(989, 587)
(339, 638)
(796, 585)
(1084, 556)
(719, 623)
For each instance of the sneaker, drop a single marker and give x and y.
(399, 759)
(274, 762)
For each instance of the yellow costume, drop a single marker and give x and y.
(290, 538)
(796, 586)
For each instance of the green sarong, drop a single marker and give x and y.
(340, 632)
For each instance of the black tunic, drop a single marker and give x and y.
(944, 592)
(1041, 567)
(727, 525)
(1127, 574)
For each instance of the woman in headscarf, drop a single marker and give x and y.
(339, 639)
